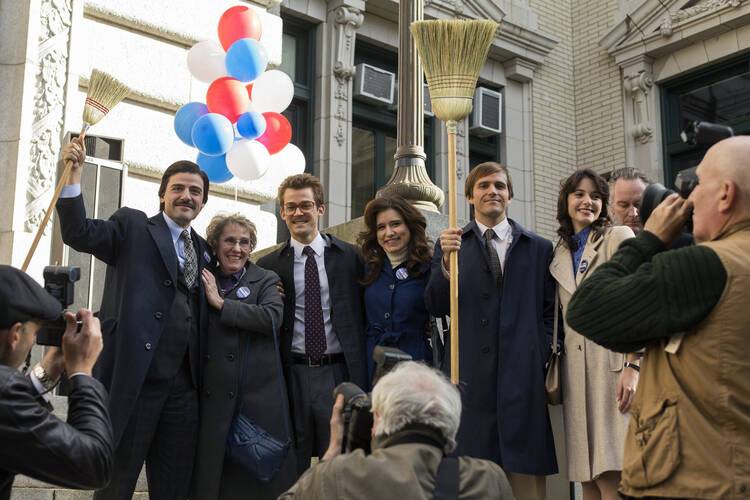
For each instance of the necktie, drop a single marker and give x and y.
(190, 269)
(497, 270)
(315, 335)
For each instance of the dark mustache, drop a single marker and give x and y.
(184, 204)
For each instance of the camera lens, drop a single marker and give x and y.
(652, 196)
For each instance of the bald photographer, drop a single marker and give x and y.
(689, 435)
(77, 453)
(416, 415)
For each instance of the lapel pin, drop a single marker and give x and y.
(243, 292)
(402, 273)
(582, 268)
(206, 256)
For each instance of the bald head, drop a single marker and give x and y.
(733, 164)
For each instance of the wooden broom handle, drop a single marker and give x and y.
(451, 127)
(61, 183)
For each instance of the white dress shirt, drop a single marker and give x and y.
(318, 245)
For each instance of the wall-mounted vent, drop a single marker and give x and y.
(374, 85)
(487, 115)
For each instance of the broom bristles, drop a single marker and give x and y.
(452, 53)
(104, 93)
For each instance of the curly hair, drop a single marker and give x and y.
(221, 221)
(568, 186)
(419, 248)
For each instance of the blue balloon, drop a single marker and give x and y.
(251, 125)
(215, 167)
(246, 59)
(185, 118)
(213, 134)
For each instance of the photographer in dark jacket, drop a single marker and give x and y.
(689, 434)
(76, 454)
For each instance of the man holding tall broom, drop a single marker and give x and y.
(505, 305)
(153, 317)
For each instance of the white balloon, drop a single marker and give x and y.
(206, 61)
(248, 160)
(272, 91)
(288, 161)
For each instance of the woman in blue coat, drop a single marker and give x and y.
(397, 266)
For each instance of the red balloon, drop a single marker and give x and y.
(278, 132)
(249, 88)
(227, 97)
(238, 22)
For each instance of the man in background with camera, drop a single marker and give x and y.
(76, 454)
(154, 319)
(416, 416)
(689, 435)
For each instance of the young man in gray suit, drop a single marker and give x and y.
(322, 333)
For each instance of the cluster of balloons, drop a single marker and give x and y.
(239, 130)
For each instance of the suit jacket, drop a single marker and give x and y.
(503, 346)
(590, 373)
(76, 454)
(242, 319)
(344, 267)
(139, 288)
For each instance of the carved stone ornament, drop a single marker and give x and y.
(346, 21)
(49, 102)
(638, 86)
(667, 26)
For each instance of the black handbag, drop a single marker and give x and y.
(248, 445)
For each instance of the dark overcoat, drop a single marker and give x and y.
(243, 318)
(503, 345)
(139, 288)
(344, 268)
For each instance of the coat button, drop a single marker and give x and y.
(484, 321)
(387, 315)
(230, 394)
(208, 393)
(230, 356)
(206, 357)
(580, 348)
(157, 315)
(167, 282)
(148, 346)
(391, 286)
(485, 349)
(485, 295)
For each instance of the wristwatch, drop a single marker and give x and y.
(41, 375)
(635, 367)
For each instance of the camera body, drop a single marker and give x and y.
(59, 281)
(358, 417)
(697, 133)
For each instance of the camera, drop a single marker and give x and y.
(357, 404)
(59, 282)
(695, 134)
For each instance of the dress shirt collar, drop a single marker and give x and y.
(503, 230)
(174, 228)
(318, 244)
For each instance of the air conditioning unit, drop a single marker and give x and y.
(486, 117)
(374, 85)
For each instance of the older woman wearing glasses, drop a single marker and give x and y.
(243, 299)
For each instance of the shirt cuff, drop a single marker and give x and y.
(77, 374)
(70, 191)
(39, 387)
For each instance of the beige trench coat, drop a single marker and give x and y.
(594, 428)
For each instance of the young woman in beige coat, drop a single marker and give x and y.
(598, 384)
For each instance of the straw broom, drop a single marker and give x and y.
(103, 94)
(452, 53)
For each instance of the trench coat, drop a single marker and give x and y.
(503, 346)
(241, 319)
(594, 427)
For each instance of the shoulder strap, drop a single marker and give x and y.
(557, 315)
(280, 376)
(446, 483)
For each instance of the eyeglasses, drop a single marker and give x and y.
(305, 207)
(231, 242)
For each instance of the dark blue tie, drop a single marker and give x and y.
(315, 334)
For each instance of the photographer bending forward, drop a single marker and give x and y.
(76, 454)
(417, 412)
